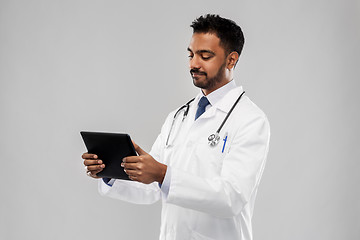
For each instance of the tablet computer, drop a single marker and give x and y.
(111, 148)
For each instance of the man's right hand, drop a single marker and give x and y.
(93, 165)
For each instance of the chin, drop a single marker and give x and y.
(198, 83)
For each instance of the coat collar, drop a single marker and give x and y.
(229, 99)
(219, 93)
(224, 103)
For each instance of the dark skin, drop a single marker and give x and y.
(212, 69)
(209, 66)
(143, 168)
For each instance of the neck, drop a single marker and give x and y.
(228, 75)
(221, 84)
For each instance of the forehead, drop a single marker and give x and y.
(205, 41)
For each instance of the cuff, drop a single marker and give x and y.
(109, 181)
(165, 186)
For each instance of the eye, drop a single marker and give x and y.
(190, 56)
(206, 56)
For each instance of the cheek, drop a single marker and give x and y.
(211, 69)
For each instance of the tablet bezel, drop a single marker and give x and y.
(111, 148)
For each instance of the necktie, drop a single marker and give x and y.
(201, 106)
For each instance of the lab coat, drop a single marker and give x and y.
(212, 189)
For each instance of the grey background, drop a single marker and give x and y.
(121, 66)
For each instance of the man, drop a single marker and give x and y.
(207, 188)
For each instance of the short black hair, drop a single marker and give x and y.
(230, 34)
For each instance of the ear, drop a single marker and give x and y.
(232, 59)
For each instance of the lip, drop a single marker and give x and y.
(197, 74)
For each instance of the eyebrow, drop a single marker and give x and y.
(202, 51)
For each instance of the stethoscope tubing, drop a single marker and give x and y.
(216, 135)
(227, 115)
(187, 106)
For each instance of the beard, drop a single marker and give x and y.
(209, 83)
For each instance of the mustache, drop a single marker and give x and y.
(197, 72)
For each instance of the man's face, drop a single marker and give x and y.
(207, 61)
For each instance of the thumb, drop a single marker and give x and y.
(139, 149)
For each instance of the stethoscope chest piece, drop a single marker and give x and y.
(214, 139)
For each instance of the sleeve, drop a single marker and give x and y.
(131, 191)
(226, 195)
(165, 186)
(109, 181)
(136, 192)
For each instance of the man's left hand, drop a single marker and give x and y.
(143, 168)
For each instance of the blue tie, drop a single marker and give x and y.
(202, 105)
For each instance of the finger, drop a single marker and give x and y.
(89, 156)
(134, 178)
(93, 174)
(96, 167)
(131, 172)
(139, 149)
(88, 162)
(132, 159)
(130, 166)
(135, 145)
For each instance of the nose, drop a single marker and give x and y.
(194, 63)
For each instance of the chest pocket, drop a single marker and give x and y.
(208, 160)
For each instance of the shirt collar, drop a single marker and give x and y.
(215, 96)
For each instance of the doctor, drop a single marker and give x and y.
(207, 187)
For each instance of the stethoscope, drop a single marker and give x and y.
(213, 138)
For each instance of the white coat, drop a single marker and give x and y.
(212, 191)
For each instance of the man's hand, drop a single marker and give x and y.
(93, 165)
(143, 168)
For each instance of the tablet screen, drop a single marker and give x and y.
(111, 148)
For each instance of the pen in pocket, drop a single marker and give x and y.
(225, 139)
